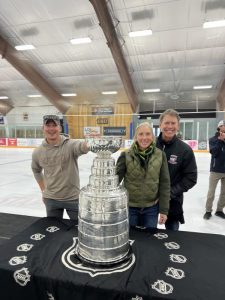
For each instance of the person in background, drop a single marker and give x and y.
(181, 163)
(217, 172)
(145, 173)
(55, 168)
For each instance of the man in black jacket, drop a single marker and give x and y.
(217, 172)
(181, 163)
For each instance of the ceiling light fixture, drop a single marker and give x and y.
(151, 90)
(140, 33)
(214, 24)
(85, 40)
(24, 47)
(202, 87)
(69, 95)
(109, 93)
(34, 96)
(3, 97)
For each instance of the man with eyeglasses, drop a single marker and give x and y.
(217, 172)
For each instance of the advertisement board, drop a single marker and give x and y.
(29, 142)
(3, 141)
(102, 110)
(128, 143)
(92, 131)
(116, 131)
(192, 143)
(203, 145)
(102, 121)
(12, 142)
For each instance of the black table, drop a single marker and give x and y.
(39, 263)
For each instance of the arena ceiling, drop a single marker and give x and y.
(179, 54)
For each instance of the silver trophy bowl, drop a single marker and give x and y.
(104, 144)
(103, 226)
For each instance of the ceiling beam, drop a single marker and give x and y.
(32, 75)
(105, 21)
(5, 107)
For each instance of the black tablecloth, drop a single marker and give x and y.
(164, 265)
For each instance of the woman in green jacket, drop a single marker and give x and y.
(146, 177)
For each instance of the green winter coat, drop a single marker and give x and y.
(145, 185)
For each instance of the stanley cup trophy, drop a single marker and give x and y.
(103, 226)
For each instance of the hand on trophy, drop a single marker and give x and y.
(94, 148)
(94, 144)
(103, 144)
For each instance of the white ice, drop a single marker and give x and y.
(20, 194)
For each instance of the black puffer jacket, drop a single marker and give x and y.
(183, 173)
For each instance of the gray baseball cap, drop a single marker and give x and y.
(53, 118)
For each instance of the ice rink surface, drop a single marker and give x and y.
(20, 194)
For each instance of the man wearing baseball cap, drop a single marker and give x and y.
(217, 172)
(54, 118)
(55, 168)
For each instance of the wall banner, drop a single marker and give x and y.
(102, 110)
(192, 143)
(116, 131)
(3, 141)
(12, 142)
(92, 131)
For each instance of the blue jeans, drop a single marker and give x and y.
(55, 208)
(172, 225)
(145, 217)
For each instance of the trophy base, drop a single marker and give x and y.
(87, 262)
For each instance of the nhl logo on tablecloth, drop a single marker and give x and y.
(162, 287)
(25, 247)
(175, 273)
(22, 276)
(17, 260)
(71, 260)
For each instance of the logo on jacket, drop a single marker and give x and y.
(173, 159)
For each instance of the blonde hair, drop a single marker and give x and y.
(143, 124)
